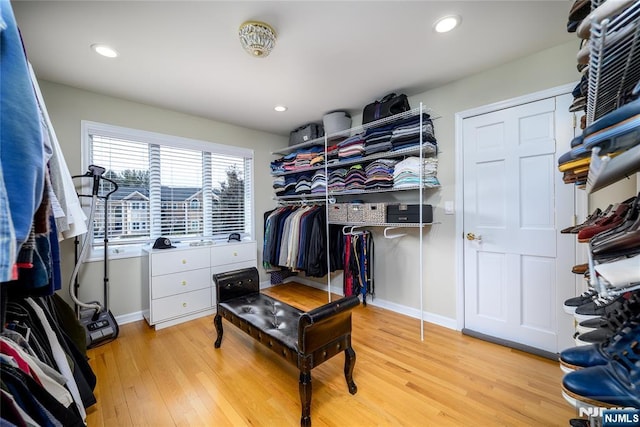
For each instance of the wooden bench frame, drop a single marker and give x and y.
(304, 339)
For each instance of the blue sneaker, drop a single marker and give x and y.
(616, 384)
(587, 356)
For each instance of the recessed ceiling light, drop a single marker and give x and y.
(447, 23)
(104, 50)
(280, 108)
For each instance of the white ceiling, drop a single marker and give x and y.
(185, 55)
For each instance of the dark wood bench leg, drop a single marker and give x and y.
(305, 398)
(217, 321)
(349, 363)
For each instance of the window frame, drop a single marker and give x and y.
(89, 128)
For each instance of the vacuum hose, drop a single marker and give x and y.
(81, 257)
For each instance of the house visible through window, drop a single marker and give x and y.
(168, 186)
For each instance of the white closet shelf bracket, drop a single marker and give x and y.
(606, 170)
(351, 229)
(392, 236)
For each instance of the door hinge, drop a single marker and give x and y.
(575, 120)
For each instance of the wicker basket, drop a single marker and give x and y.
(356, 212)
(375, 213)
(338, 212)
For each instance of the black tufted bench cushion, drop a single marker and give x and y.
(305, 339)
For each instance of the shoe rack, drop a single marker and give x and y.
(612, 33)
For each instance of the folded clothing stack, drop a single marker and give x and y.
(406, 173)
(380, 174)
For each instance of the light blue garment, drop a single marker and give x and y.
(21, 147)
(7, 235)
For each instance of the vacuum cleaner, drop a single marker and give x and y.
(99, 324)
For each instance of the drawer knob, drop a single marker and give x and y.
(184, 261)
(184, 304)
(184, 283)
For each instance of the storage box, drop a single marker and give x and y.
(375, 213)
(355, 212)
(409, 213)
(338, 212)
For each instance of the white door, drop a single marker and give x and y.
(516, 263)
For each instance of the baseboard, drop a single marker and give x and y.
(436, 319)
(129, 318)
(511, 344)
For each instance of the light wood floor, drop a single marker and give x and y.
(175, 377)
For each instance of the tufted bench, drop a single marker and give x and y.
(304, 339)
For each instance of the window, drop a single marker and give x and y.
(167, 186)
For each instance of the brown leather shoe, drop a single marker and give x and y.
(607, 223)
(579, 10)
(580, 268)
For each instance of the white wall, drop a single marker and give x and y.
(67, 106)
(396, 260)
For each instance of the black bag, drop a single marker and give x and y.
(306, 133)
(388, 106)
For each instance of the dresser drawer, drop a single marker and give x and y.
(174, 261)
(180, 305)
(178, 283)
(232, 253)
(230, 267)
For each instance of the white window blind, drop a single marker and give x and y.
(170, 188)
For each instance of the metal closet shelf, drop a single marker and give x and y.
(614, 70)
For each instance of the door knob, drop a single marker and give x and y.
(471, 236)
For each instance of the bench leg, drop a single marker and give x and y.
(217, 321)
(349, 363)
(305, 398)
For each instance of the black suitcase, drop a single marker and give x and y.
(306, 133)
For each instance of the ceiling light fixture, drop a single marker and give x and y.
(447, 23)
(280, 108)
(104, 50)
(257, 38)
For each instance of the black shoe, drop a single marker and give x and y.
(591, 325)
(599, 307)
(579, 422)
(612, 323)
(571, 304)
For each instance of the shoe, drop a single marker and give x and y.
(631, 222)
(595, 215)
(587, 356)
(625, 240)
(605, 10)
(616, 384)
(614, 322)
(628, 311)
(572, 304)
(621, 273)
(579, 10)
(615, 131)
(607, 223)
(579, 104)
(591, 325)
(599, 307)
(580, 268)
(598, 336)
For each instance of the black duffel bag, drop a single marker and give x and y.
(306, 133)
(388, 106)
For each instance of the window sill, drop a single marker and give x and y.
(119, 252)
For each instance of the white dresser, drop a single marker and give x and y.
(180, 285)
